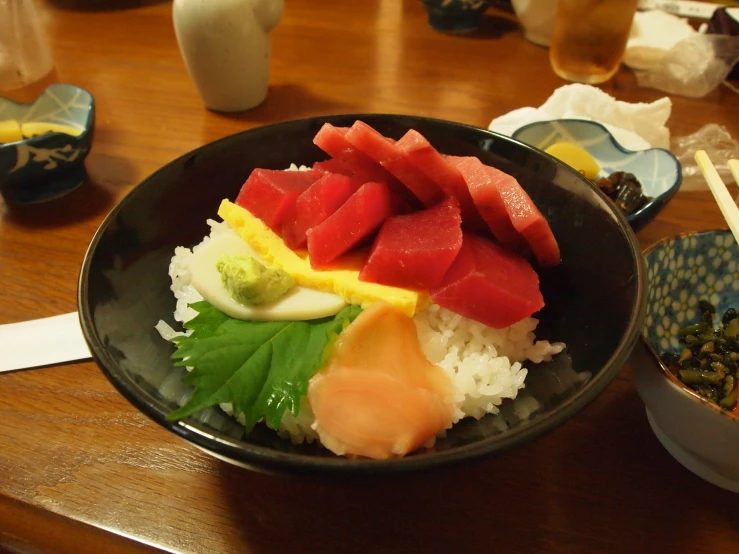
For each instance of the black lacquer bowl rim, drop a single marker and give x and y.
(268, 460)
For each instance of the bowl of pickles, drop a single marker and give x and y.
(44, 143)
(639, 182)
(686, 365)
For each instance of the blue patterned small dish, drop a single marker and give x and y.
(455, 16)
(659, 172)
(681, 271)
(48, 165)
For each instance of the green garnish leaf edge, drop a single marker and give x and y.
(262, 368)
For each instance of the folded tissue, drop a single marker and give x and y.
(668, 54)
(653, 34)
(635, 126)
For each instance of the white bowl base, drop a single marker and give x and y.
(690, 462)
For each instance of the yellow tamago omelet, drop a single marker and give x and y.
(342, 280)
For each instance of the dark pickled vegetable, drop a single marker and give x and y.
(709, 359)
(728, 316)
(625, 190)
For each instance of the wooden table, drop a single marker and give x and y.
(82, 471)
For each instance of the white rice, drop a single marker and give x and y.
(484, 364)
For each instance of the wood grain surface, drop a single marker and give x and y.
(82, 471)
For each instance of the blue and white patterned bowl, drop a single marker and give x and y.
(45, 167)
(681, 271)
(659, 172)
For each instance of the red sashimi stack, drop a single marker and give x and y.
(450, 225)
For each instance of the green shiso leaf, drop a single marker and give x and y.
(261, 368)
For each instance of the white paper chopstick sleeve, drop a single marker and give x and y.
(40, 342)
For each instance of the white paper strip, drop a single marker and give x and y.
(683, 8)
(40, 342)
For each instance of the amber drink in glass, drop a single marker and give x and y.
(589, 38)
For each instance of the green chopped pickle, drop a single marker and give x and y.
(250, 282)
(709, 360)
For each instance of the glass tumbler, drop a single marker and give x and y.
(589, 38)
(25, 56)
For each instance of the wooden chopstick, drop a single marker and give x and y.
(734, 168)
(725, 203)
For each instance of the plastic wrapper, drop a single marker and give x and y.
(694, 67)
(718, 144)
(724, 22)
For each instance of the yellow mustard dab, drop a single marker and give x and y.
(576, 157)
(34, 129)
(13, 131)
(10, 131)
(343, 281)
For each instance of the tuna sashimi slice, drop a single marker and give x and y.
(356, 220)
(489, 284)
(334, 165)
(270, 194)
(415, 250)
(388, 155)
(333, 141)
(488, 201)
(427, 159)
(379, 397)
(315, 205)
(526, 218)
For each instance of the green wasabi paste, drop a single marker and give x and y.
(250, 282)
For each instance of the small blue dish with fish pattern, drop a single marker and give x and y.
(49, 165)
(657, 169)
(681, 271)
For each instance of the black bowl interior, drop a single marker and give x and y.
(595, 300)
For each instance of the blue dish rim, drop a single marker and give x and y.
(652, 207)
(39, 139)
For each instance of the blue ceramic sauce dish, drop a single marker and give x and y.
(657, 169)
(53, 135)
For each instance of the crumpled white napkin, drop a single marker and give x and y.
(635, 126)
(667, 54)
(653, 34)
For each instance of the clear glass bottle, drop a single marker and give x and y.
(25, 56)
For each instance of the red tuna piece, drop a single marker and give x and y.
(526, 218)
(489, 284)
(356, 220)
(488, 200)
(315, 204)
(333, 141)
(426, 158)
(333, 165)
(270, 194)
(392, 158)
(416, 250)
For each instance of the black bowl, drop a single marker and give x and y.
(595, 300)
